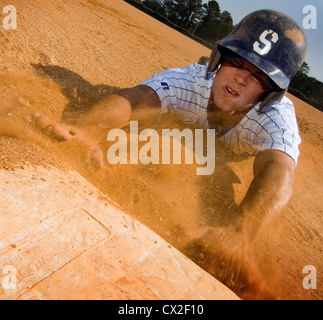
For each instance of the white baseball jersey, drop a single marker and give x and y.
(185, 92)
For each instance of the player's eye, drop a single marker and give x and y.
(259, 78)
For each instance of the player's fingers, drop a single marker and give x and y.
(62, 132)
(41, 121)
(49, 127)
(27, 118)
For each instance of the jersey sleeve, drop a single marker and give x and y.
(281, 132)
(182, 91)
(168, 87)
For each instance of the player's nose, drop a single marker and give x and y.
(241, 77)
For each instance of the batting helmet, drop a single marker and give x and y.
(271, 41)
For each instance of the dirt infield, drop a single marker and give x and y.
(65, 57)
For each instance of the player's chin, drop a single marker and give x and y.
(236, 105)
(227, 106)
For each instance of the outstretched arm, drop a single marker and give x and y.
(113, 111)
(117, 108)
(269, 191)
(91, 126)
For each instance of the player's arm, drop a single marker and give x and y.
(117, 108)
(269, 191)
(141, 96)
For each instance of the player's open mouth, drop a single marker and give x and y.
(231, 91)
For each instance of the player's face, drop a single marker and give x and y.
(238, 86)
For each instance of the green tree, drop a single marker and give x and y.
(183, 12)
(156, 6)
(215, 24)
(307, 88)
(304, 68)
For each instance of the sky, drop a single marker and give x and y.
(294, 9)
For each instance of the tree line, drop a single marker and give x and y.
(307, 88)
(206, 23)
(204, 20)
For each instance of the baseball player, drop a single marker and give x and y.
(240, 94)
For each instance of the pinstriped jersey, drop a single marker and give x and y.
(185, 92)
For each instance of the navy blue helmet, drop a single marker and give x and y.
(271, 41)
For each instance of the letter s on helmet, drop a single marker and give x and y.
(271, 41)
